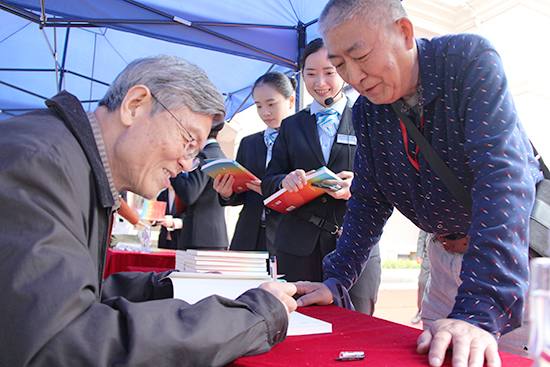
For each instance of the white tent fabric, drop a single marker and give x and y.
(234, 41)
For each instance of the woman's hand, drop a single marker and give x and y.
(344, 181)
(223, 184)
(255, 186)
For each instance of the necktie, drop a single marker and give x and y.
(269, 139)
(328, 120)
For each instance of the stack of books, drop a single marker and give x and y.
(223, 262)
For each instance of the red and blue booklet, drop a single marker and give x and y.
(285, 201)
(153, 210)
(226, 165)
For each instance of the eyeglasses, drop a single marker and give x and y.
(191, 144)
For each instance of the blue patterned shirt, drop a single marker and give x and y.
(467, 113)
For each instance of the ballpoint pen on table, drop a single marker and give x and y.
(273, 268)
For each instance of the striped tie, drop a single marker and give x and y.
(269, 139)
(328, 120)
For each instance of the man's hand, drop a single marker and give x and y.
(471, 345)
(283, 291)
(223, 184)
(344, 193)
(313, 293)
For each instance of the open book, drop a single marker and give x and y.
(226, 165)
(192, 287)
(285, 201)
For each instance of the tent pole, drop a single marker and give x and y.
(62, 76)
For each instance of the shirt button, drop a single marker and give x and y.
(323, 200)
(277, 337)
(427, 197)
(440, 226)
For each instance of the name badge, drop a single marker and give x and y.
(346, 139)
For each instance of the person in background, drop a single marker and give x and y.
(204, 226)
(455, 90)
(127, 213)
(60, 169)
(255, 230)
(307, 141)
(423, 276)
(173, 222)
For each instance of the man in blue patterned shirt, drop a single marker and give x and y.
(455, 90)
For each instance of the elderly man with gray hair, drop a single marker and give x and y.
(60, 172)
(455, 92)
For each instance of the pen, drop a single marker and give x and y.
(273, 267)
(350, 356)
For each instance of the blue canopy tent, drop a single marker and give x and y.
(81, 45)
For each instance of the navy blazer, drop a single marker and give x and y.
(163, 196)
(252, 155)
(204, 224)
(297, 146)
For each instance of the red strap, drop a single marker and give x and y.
(414, 161)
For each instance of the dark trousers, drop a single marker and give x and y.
(364, 292)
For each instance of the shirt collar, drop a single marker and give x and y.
(427, 85)
(209, 141)
(339, 106)
(103, 154)
(268, 131)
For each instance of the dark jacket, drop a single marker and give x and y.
(297, 146)
(204, 224)
(55, 205)
(163, 232)
(252, 155)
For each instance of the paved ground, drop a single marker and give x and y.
(397, 305)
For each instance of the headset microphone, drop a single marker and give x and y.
(330, 100)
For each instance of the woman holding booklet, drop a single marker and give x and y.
(273, 94)
(320, 135)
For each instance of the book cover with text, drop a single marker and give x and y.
(153, 210)
(285, 201)
(226, 165)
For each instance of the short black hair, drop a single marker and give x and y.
(213, 134)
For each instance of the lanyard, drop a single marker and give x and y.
(414, 161)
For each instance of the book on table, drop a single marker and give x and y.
(225, 262)
(285, 201)
(153, 210)
(215, 167)
(192, 287)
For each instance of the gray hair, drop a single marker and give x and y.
(174, 81)
(374, 12)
